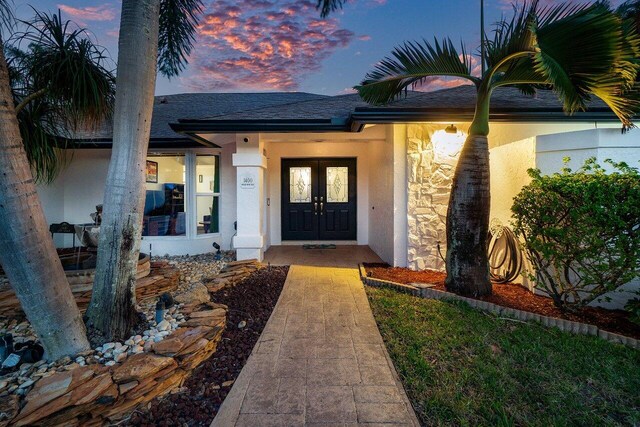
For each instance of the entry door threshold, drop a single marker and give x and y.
(318, 242)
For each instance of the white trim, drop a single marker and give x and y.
(189, 194)
(164, 238)
(249, 159)
(204, 235)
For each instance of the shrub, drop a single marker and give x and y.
(581, 231)
(633, 307)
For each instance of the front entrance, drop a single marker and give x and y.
(319, 199)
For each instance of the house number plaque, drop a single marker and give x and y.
(247, 182)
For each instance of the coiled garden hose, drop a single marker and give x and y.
(505, 256)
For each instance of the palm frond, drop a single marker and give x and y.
(60, 82)
(589, 52)
(71, 68)
(45, 142)
(327, 6)
(7, 18)
(412, 63)
(511, 36)
(515, 37)
(630, 12)
(178, 24)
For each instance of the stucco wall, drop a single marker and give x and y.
(381, 200)
(73, 196)
(505, 133)
(227, 196)
(509, 164)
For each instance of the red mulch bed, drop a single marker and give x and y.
(515, 296)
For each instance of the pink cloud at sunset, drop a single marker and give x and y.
(262, 45)
(103, 12)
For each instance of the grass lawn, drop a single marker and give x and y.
(461, 366)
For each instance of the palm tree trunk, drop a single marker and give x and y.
(468, 213)
(112, 310)
(27, 253)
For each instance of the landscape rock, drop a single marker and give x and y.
(141, 366)
(163, 326)
(65, 391)
(197, 293)
(51, 388)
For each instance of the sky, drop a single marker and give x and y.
(284, 45)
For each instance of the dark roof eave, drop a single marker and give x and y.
(367, 115)
(193, 141)
(192, 127)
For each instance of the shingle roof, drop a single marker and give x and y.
(461, 97)
(193, 113)
(325, 108)
(171, 108)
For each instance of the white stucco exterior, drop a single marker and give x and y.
(395, 186)
(80, 187)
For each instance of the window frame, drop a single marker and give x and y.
(190, 185)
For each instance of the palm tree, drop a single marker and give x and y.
(58, 59)
(60, 66)
(154, 35)
(630, 10)
(577, 51)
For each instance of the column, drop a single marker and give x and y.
(251, 164)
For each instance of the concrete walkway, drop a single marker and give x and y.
(319, 361)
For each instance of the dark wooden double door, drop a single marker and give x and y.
(319, 199)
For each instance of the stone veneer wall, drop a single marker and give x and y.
(429, 177)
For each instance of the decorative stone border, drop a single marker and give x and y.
(498, 310)
(97, 394)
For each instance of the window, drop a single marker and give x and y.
(164, 206)
(207, 193)
(337, 184)
(300, 185)
(182, 195)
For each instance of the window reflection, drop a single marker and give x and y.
(164, 207)
(207, 193)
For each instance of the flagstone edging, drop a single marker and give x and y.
(498, 310)
(97, 395)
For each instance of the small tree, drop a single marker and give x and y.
(581, 231)
(57, 82)
(155, 35)
(580, 51)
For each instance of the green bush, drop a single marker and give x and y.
(581, 231)
(633, 307)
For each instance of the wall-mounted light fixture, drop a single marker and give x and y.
(447, 142)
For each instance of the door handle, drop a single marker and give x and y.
(321, 206)
(315, 208)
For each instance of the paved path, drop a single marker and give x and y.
(319, 361)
